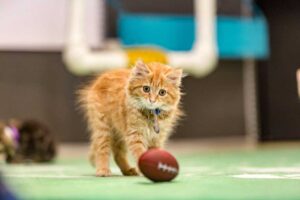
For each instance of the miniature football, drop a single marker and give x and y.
(158, 165)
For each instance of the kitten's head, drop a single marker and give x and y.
(154, 85)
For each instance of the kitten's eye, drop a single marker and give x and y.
(146, 89)
(162, 92)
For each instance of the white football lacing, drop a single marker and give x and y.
(167, 168)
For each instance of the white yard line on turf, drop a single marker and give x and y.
(266, 176)
(270, 169)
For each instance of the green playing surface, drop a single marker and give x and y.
(257, 174)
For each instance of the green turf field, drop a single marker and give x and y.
(257, 174)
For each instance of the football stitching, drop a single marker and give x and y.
(166, 168)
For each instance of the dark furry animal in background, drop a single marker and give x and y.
(31, 142)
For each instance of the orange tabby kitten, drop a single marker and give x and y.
(130, 109)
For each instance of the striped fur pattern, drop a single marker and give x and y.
(118, 104)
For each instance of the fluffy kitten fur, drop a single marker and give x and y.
(118, 110)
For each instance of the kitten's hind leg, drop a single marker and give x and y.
(120, 156)
(100, 137)
(101, 149)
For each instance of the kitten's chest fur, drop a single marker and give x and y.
(143, 120)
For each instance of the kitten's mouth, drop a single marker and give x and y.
(151, 106)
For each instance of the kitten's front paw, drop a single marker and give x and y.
(103, 172)
(131, 172)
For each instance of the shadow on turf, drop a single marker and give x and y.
(156, 183)
(144, 182)
(112, 176)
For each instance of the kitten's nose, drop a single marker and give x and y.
(152, 100)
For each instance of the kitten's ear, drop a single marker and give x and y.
(140, 69)
(175, 76)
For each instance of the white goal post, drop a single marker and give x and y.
(199, 61)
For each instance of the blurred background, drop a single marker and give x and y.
(251, 94)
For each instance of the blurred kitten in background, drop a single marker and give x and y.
(26, 141)
(134, 109)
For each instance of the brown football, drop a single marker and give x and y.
(158, 165)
